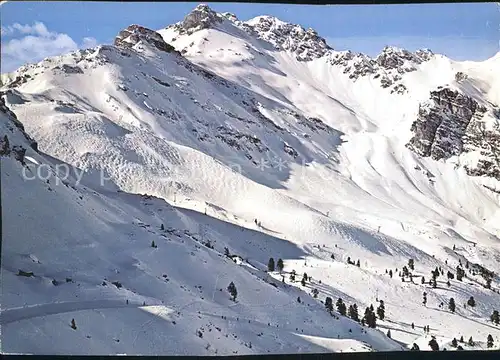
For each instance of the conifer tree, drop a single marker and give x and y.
(329, 304)
(461, 339)
(411, 264)
(315, 293)
(232, 290)
(390, 273)
(470, 342)
(358, 264)
(471, 302)
(280, 265)
(423, 280)
(381, 310)
(489, 341)
(73, 324)
(270, 265)
(451, 305)
(162, 227)
(495, 317)
(153, 245)
(341, 307)
(454, 343)
(389, 333)
(415, 347)
(292, 276)
(226, 253)
(353, 312)
(433, 344)
(303, 282)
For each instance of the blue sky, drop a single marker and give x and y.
(34, 30)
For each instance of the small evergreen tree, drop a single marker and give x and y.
(411, 264)
(460, 273)
(471, 302)
(489, 341)
(461, 339)
(470, 342)
(292, 276)
(495, 317)
(353, 312)
(390, 273)
(280, 265)
(448, 283)
(381, 310)
(341, 307)
(298, 299)
(303, 282)
(270, 265)
(433, 344)
(415, 347)
(232, 290)
(450, 275)
(358, 264)
(162, 227)
(423, 280)
(434, 283)
(226, 253)
(329, 304)
(454, 343)
(315, 293)
(406, 272)
(370, 318)
(451, 305)
(73, 324)
(389, 333)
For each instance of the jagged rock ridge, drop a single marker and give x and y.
(389, 66)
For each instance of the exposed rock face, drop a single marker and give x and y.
(306, 44)
(136, 33)
(451, 124)
(202, 17)
(14, 122)
(388, 66)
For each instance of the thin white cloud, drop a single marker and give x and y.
(35, 44)
(456, 47)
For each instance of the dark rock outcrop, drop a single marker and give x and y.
(389, 66)
(136, 33)
(15, 123)
(451, 124)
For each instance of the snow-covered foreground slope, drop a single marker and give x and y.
(251, 144)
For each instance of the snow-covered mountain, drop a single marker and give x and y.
(141, 178)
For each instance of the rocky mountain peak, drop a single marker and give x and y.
(201, 17)
(393, 58)
(306, 44)
(134, 34)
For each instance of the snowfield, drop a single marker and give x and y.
(223, 154)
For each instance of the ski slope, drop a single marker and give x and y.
(205, 142)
